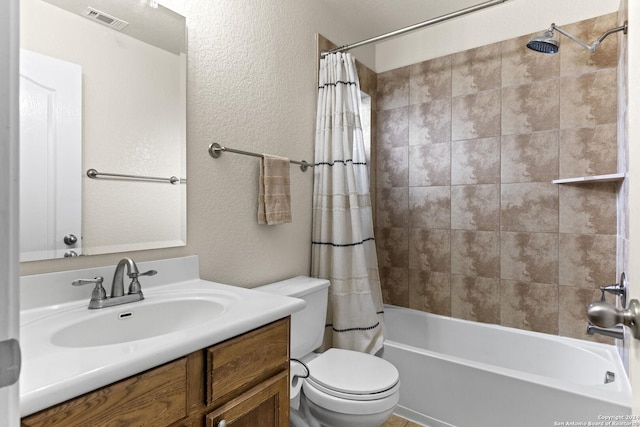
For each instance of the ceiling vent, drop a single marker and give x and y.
(105, 19)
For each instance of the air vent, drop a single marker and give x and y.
(105, 19)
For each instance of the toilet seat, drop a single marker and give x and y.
(352, 382)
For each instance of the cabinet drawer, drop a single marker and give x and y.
(239, 364)
(153, 398)
(266, 405)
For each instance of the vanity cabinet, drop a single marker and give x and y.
(243, 381)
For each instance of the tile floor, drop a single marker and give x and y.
(396, 421)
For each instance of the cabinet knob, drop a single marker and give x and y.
(222, 423)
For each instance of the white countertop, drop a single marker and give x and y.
(52, 374)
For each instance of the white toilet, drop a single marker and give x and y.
(344, 388)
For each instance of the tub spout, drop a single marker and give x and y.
(616, 332)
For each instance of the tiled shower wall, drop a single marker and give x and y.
(468, 222)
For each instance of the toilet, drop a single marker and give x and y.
(344, 388)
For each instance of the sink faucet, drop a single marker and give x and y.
(98, 296)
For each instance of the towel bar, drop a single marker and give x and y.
(92, 173)
(215, 151)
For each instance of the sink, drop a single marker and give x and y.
(136, 321)
(69, 350)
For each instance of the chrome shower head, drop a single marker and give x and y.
(545, 43)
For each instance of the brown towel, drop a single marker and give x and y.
(274, 200)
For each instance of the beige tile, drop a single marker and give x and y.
(392, 167)
(430, 291)
(475, 207)
(575, 59)
(430, 122)
(430, 250)
(587, 260)
(475, 116)
(588, 208)
(572, 321)
(393, 89)
(529, 257)
(430, 207)
(530, 206)
(588, 151)
(476, 70)
(429, 165)
(521, 65)
(395, 421)
(392, 247)
(588, 100)
(475, 253)
(392, 207)
(475, 298)
(475, 161)
(395, 286)
(530, 107)
(430, 80)
(530, 157)
(529, 306)
(393, 127)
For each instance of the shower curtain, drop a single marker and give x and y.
(343, 246)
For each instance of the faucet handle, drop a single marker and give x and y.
(148, 273)
(135, 274)
(618, 289)
(134, 286)
(98, 292)
(606, 315)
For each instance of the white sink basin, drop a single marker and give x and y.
(134, 321)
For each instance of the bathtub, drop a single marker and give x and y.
(466, 374)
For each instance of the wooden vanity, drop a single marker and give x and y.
(243, 381)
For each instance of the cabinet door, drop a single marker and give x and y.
(237, 365)
(266, 405)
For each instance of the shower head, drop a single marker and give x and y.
(546, 43)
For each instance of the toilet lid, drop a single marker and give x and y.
(353, 373)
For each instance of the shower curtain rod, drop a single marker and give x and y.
(418, 26)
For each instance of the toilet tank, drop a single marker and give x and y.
(307, 325)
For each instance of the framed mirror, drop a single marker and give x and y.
(102, 127)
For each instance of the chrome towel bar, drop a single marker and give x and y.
(94, 174)
(215, 151)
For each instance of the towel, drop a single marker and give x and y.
(274, 199)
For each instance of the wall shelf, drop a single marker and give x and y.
(613, 177)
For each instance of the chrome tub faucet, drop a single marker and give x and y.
(99, 297)
(616, 332)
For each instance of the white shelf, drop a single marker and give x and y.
(613, 177)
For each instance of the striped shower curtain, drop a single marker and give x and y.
(343, 247)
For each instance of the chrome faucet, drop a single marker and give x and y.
(604, 318)
(99, 297)
(616, 332)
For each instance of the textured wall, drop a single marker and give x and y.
(251, 85)
(468, 221)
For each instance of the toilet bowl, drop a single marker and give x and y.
(343, 388)
(348, 388)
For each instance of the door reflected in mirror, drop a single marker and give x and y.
(102, 86)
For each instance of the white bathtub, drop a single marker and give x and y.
(466, 374)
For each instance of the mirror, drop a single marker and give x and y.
(102, 87)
